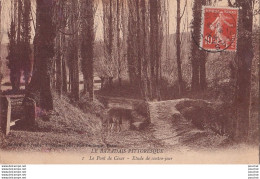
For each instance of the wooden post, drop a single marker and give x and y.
(30, 111)
(5, 114)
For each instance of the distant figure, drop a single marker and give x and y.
(217, 26)
(115, 123)
(116, 116)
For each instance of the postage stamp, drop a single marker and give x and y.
(219, 28)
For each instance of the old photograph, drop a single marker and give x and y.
(129, 81)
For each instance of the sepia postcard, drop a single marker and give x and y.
(129, 81)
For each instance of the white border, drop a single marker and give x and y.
(137, 171)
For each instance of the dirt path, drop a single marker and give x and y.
(172, 130)
(168, 128)
(163, 128)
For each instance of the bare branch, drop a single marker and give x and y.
(183, 9)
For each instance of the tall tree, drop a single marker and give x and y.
(109, 33)
(58, 65)
(74, 49)
(244, 59)
(145, 69)
(13, 63)
(119, 63)
(19, 43)
(198, 59)
(25, 41)
(87, 44)
(1, 75)
(155, 46)
(63, 42)
(39, 88)
(178, 45)
(60, 46)
(144, 48)
(132, 44)
(14, 54)
(1, 21)
(124, 12)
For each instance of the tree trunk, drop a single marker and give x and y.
(131, 43)
(26, 38)
(87, 46)
(203, 81)
(63, 47)
(178, 50)
(198, 56)
(118, 42)
(18, 49)
(58, 66)
(152, 45)
(1, 75)
(74, 53)
(40, 86)
(75, 75)
(64, 76)
(244, 59)
(70, 78)
(124, 34)
(144, 48)
(53, 75)
(138, 49)
(110, 33)
(154, 48)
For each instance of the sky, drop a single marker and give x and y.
(6, 12)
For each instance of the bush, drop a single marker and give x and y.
(205, 115)
(88, 106)
(142, 109)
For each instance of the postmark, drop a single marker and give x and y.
(219, 29)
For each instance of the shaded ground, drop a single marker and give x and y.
(71, 129)
(125, 90)
(169, 130)
(68, 129)
(178, 131)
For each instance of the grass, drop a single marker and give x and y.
(69, 128)
(75, 126)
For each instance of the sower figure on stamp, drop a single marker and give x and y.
(217, 26)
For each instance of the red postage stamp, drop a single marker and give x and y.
(219, 28)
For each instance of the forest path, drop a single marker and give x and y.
(170, 127)
(163, 127)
